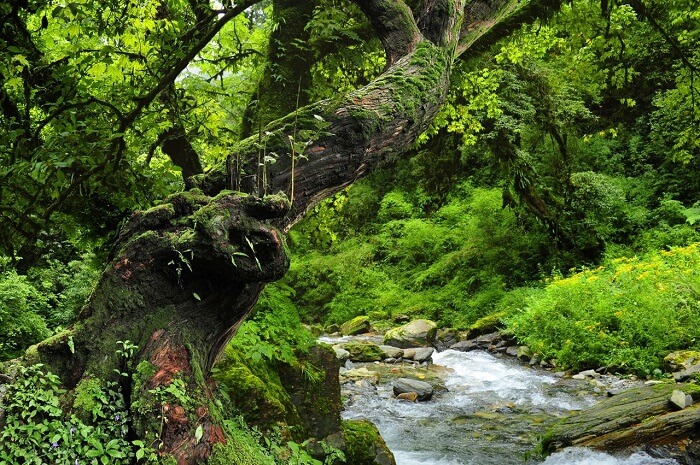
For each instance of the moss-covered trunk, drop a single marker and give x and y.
(184, 276)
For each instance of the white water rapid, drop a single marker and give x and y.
(491, 414)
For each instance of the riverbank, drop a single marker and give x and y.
(491, 402)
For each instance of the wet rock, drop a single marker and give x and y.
(586, 374)
(364, 351)
(391, 351)
(341, 353)
(491, 339)
(357, 325)
(420, 354)
(524, 353)
(364, 445)
(349, 365)
(512, 351)
(358, 374)
(409, 396)
(692, 452)
(445, 338)
(417, 333)
(486, 325)
(684, 364)
(465, 346)
(681, 360)
(423, 390)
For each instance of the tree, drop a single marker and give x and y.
(183, 275)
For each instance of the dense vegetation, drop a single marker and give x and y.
(564, 149)
(555, 193)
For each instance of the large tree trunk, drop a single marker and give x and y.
(185, 274)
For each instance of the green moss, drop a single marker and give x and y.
(258, 395)
(359, 324)
(488, 323)
(86, 393)
(364, 444)
(363, 351)
(241, 448)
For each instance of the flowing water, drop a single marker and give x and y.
(491, 414)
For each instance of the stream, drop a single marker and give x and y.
(491, 413)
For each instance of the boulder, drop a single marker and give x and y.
(364, 351)
(512, 351)
(423, 390)
(486, 325)
(524, 353)
(358, 325)
(445, 337)
(341, 353)
(634, 417)
(683, 364)
(465, 346)
(391, 351)
(417, 333)
(489, 341)
(363, 445)
(419, 354)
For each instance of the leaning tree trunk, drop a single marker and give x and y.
(185, 274)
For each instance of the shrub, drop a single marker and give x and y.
(627, 314)
(20, 322)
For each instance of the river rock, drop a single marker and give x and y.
(512, 351)
(363, 445)
(423, 390)
(364, 351)
(465, 346)
(420, 354)
(358, 325)
(341, 353)
(586, 374)
(524, 353)
(489, 341)
(635, 417)
(417, 333)
(683, 364)
(409, 396)
(359, 374)
(445, 337)
(680, 399)
(391, 351)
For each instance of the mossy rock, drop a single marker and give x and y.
(417, 333)
(488, 324)
(364, 351)
(681, 360)
(364, 445)
(358, 325)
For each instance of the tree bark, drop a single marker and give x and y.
(185, 274)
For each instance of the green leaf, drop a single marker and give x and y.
(196, 296)
(198, 433)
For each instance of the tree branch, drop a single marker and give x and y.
(393, 23)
